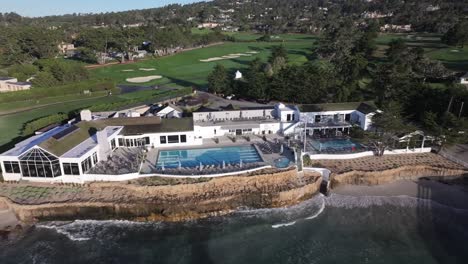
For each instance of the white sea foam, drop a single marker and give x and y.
(83, 230)
(283, 225)
(62, 230)
(322, 207)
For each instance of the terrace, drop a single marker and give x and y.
(122, 161)
(269, 151)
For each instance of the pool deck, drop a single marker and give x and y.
(149, 166)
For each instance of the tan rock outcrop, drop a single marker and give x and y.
(174, 203)
(387, 176)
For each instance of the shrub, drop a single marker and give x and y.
(22, 71)
(307, 160)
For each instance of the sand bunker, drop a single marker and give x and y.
(147, 69)
(144, 79)
(230, 56)
(240, 54)
(128, 70)
(212, 59)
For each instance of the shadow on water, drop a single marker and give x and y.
(441, 226)
(198, 241)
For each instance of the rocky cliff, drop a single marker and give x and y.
(400, 173)
(170, 203)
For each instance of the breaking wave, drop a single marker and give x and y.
(83, 230)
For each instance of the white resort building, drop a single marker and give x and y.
(10, 84)
(72, 152)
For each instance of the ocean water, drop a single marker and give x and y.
(335, 229)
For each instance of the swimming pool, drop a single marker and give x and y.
(191, 158)
(346, 145)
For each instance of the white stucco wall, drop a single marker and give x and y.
(228, 115)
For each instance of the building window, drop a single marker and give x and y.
(318, 118)
(147, 140)
(163, 139)
(113, 144)
(12, 167)
(39, 163)
(95, 159)
(183, 138)
(348, 117)
(121, 142)
(86, 165)
(71, 169)
(288, 117)
(173, 139)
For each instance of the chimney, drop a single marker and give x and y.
(104, 146)
(85, 115)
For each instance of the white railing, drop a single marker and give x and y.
(132, 176)
(365, 154)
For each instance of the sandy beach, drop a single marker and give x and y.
(7, 219)
(450, 195)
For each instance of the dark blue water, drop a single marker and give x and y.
(337, 229)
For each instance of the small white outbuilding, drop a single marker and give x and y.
(238, 75)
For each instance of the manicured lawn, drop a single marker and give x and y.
(7, 107)
(453, 58)
(11, 125)
(186, 69)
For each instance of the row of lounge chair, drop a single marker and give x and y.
(208, 169)
(269, 147)
(340, 150)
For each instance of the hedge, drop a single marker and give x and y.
(135, 102)
(32, 126)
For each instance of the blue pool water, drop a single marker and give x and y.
(282, 162)
(209, 156)
(336, 144)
